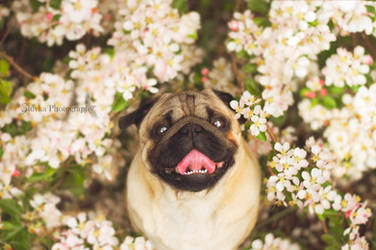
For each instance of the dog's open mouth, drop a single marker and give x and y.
(196, 162)
(196, 171)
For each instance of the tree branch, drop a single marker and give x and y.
(6, 33)
(16, 66)
(370, 45)
(270, 133)
(325, 227)
(236, 71)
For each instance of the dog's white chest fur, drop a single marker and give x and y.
(219, 219)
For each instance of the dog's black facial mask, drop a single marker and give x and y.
(189, 141)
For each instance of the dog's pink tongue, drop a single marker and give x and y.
(195, 160)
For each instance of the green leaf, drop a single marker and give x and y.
(261, 136)
(119, 103)
(228, 6)
(314, 101)
(25, 127)
(1, 152)
(13, 130)
(242, 54)
(8, 226)
(329, 102)
(314, 23)
(355, 88)
(22, 240)
(328, 213)
(74, 180)
(48, 64)
(323, 55)
(45, 176)
(55, 4)
(259, 6)
(46, 242)
(262, 21)
(5, 91)
(11, 207)
(304, 91)
(330, 240)
(197, 78)
(4, 68)
(110, 51)
(331, 248)
(193, 35)
(55, 18)
(12, 232)
(29, 94)
(372, 10)
(335, 90)
(35, 4)
(250, 68)
(180, 5)
(278, 121)
(253, 87)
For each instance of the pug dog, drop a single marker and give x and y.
(193, 183)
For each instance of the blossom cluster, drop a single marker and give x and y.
(272, 242)
(56, 135)
(249, 107)
(304, 180)
(66, 118)
(286, 50)
(45, 208)
(220, 76)
(94, 231)
(42, 216)
(349, 130)
(52, 21)
(316, 115)
(152, 34)
(347, 68)
(58, 130)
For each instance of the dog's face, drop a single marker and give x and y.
(187, 139)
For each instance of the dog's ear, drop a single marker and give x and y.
(224, 96)
(227, 98)
(138, 115)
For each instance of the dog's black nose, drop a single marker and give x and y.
(191, 129)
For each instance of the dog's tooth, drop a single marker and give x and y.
(219, 164)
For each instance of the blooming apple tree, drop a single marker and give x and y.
(303, 78)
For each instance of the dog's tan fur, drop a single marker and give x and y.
(214, 219)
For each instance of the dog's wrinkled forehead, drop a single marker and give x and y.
(189, 103)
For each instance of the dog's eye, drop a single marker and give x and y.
(162, 129)
(219, 123)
